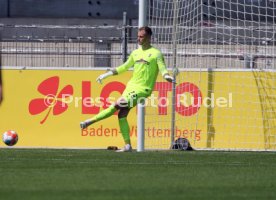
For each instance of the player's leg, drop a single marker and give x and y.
(122, 105)
(124, 127)
(129, 99)
(102, 115)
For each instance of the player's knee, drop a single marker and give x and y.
(123, 112)
(121, 104)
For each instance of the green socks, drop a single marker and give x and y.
(104, 114)
(124, 127)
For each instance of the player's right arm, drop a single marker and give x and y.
(124, 67)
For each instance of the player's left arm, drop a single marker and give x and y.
(162, 68)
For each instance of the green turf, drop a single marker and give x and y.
(101, 174)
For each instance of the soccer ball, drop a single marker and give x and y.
(10, 138)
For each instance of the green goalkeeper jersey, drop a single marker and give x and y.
(146, 64)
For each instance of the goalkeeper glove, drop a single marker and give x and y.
(103, 76)
(169, 78)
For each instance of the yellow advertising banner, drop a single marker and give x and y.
(218, 110)
(45, 108)
(224, 110)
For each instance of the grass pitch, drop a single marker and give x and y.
(101, 174)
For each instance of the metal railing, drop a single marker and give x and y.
(109, 46)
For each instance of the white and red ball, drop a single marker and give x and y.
(10, 137)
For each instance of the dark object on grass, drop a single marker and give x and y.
(182, 144)
(112, 148)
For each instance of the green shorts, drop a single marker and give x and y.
(133, 96)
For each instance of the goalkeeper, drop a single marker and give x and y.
(147, 61)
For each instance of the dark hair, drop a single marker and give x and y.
(146, 29)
